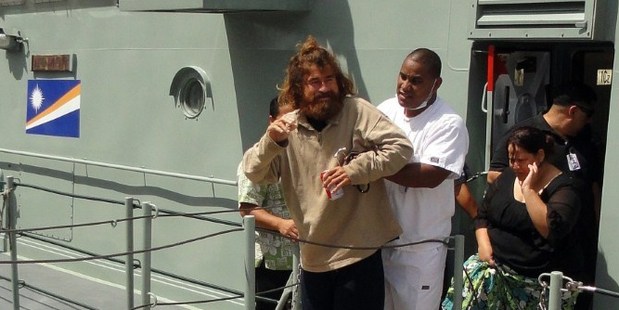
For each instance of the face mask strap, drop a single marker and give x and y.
(425, 102)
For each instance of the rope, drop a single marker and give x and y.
(445, 242)
(169, 213)
(153, 305)
(598, 290)
(475, 176)
(196, 216)
(571, 286)
(113, 223)
(137, 206)
(49, 190)
(68, 260)
(22, 284)
(156, 303)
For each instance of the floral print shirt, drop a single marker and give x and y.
(275, 250)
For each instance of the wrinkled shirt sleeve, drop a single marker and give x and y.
(388, 151)
(261, 163)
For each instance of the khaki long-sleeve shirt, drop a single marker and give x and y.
(357, 219)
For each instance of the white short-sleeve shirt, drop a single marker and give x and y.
(439, 138)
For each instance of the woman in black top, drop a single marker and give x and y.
(524, 227)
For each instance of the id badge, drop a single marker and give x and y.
(572, 162)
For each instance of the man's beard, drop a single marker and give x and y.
(321, 109)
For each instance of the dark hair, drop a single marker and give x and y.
(429, 58)
(576, 93)
(274, 108)
(532, 139)
(310, 53)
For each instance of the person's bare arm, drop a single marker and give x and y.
(420, 175)
(465, 199)
(536, 207)
(267, 220)
(484, 247)
(492, 175)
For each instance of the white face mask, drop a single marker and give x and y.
(425, 102)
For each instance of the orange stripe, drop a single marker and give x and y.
(64, 99)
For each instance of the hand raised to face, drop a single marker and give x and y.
(281, 128)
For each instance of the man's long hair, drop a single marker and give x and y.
(310, 53)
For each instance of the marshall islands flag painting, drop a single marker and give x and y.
(53, 108)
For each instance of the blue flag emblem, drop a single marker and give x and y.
(53, 108)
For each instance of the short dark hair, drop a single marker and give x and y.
(532, 139)
(429, 58)
(577, 94)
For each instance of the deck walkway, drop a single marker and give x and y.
(87, 292)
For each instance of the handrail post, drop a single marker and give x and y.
(12, 218)
(556, 282)
(4, 217)
(249, 224)
(296, 295)
(458, 271)
(129, 261)
(147, 208)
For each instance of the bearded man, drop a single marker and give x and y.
(311, 150)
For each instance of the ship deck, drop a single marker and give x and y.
(77, 291)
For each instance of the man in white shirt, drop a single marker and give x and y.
(422, 193)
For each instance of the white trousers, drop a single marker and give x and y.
(414, 279)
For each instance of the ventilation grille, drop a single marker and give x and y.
(532, 18)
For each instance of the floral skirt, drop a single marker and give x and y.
(488, 287)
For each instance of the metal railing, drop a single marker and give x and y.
(149, 299)
(120, 167)
(12, 233)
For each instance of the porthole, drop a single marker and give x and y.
(190, 88)
(191, 98)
